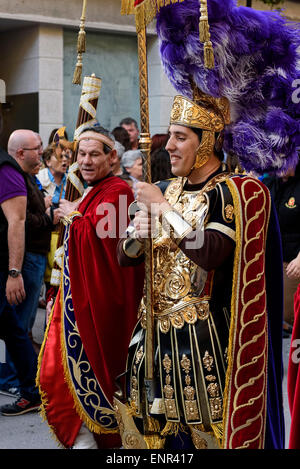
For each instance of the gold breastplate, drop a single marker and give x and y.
(179, 295)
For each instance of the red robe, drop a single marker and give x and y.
(105, 297)
(293, 383)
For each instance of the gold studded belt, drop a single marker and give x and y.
(186, 311)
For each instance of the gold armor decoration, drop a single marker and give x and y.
(189, 114)
(210, 378)
(229, 212)
(131, 437)
(205, 148)
(134, 383)
(216, 408)
(199, 442)
(208, 361)
(167, 364)
(203, 310)
(185, 363)
(170, 404)
(191, 407)
(213, 390)
(178, 282)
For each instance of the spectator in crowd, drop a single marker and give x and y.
(158, 141)
(24, 155)
(133, 164)
(285, 191)
(160, 161)
(131, 126)
(122, 136)
(53, 176)
(116, 159)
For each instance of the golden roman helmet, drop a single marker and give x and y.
(206, 113)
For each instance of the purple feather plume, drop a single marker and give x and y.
(257, 57)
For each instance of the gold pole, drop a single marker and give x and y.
(145, 146)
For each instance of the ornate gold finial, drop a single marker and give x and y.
(81, 46)
(204, 35)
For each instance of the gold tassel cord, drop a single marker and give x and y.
(81, 46)
(127, 7)
(204, 36)
(209, 58)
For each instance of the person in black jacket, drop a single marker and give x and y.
(38, 228)
(285, 191)
(14, 188)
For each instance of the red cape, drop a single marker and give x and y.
(105, 296)
(105, 299)
(293, 382)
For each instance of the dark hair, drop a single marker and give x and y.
(48, 152)
(218, 151)
(101, 130)
(160, 165)
(128, 121)
(159, 141)
(122, 136)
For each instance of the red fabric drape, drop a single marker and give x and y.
(293, 381)
(105, 295)
(59, 405)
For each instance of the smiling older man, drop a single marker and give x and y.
(99, 302)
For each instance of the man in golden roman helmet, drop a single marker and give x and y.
(189, 263)
(210, 294)
(217, 315)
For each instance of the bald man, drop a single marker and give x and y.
(23, 157)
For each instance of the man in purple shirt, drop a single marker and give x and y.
(25, 146)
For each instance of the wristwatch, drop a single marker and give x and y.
(14, 273)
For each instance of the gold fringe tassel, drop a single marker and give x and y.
(153, 439)
(209, 58)
(81, 42)
(146, 11)
(171, 428)
(204, 36)
(127, 7)
(78, 71)
(81, 47)
(218, 432)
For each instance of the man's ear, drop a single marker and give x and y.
(20, 155)
(112, 156)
